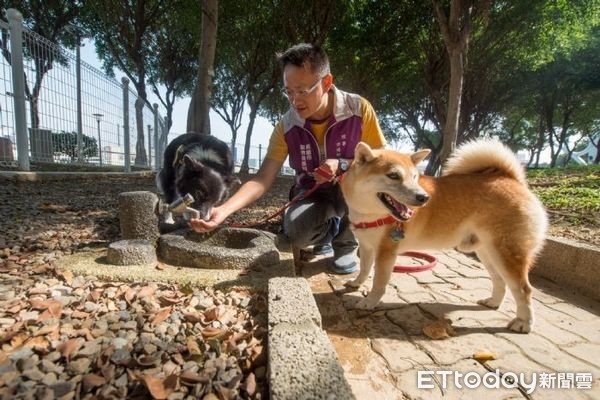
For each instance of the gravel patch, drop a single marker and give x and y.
(77, 336)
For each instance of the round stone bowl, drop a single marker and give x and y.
(227, 248)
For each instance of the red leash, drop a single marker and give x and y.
(432, 261)
(296, 198)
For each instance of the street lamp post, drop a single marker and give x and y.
(99, 119)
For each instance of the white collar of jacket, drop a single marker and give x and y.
(345, 106)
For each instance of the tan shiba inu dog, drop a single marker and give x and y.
(482, 203)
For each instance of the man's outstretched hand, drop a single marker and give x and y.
(217, 216)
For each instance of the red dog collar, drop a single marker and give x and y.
(379, 222)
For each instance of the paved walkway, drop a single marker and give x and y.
(383, 350)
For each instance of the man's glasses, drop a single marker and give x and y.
(300, 94)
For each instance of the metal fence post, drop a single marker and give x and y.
(150, 146)
(79, 115)
(15, 25)
(157, 146)
(125, 82)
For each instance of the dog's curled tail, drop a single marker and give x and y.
(482, 155)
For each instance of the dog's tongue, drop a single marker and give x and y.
(402, 209)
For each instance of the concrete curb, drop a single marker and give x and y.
(21, 176)
(571, 264)
(302, 361)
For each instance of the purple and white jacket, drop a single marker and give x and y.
(343, 134)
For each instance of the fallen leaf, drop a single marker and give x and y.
(178, 358)
(192, 317)
(190, 378)
(160, 316)
(69, 347)
(440, 329)
(160, 388)
(44, 330)
(160, 266)
(213, 333)
(228, 316)
(129, 295)
(211, 314)
(96, 294)
(147, 361)
(39, 344)
(79, 314)
(67, 276)
(192, 346)
(91, 381)
(484, 355)
(169, 300)
(249, 384)
(38, 290)
(16, 308)
(54, 307)
(18, 340)
(146, 291)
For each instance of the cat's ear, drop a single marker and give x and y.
(192, 164)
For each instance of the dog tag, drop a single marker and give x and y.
(397, 234)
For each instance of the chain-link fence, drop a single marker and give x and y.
(55, 108)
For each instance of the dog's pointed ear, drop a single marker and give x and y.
(419, 156)
(192, 164)
(363, 153)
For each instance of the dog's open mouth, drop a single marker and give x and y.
(398, 210)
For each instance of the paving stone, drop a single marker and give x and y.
(590, 330)
(423, 296)
(391, 343)
(408, 381)
(447, 261)
(405, 283)
(540, 295)
(427, 277)
(553, 333)
(410, 318)
(472, 283)
(574, 311)
(517, 363)
(589, 352)
(463, 346)
(389, 301)
(460, 312)
(545, 353)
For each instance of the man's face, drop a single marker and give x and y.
(307, 91)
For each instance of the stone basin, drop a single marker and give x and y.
(227, 248)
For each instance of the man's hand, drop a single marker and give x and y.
(329, 166)
(217, 216)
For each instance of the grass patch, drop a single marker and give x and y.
(572, 192)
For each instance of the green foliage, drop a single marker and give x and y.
(573, 192)
(66, 143)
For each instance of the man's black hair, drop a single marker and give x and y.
(308, 55)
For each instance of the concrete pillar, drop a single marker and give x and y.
(138, 216)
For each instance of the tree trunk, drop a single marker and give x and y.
(454, 99)
(253, 110)
(198, 120)
(140, 148)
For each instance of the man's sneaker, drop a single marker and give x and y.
(322, 249)
(345, 263)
